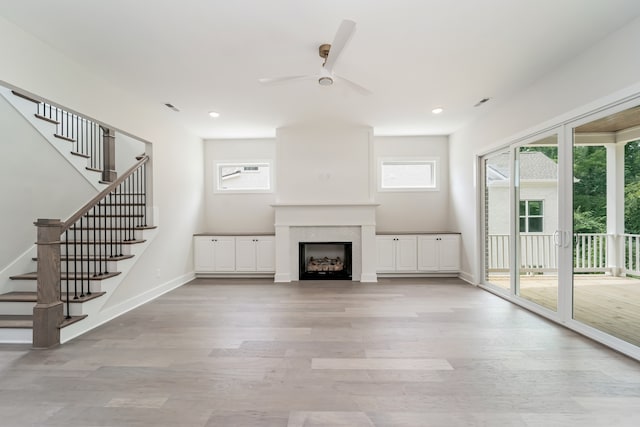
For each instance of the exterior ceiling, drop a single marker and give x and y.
(614, 123)
(414, 55)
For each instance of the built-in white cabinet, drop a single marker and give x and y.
(439, 252)
(234, 254)
(214, 253)
(396, 253)
(255, 253)
(418, 253)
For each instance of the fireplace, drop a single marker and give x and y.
(325, 260)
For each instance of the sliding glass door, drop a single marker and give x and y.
(537, 235)
(561, 224)
(606, 222)
(496, 169)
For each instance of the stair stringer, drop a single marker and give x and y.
(94, 312)
(47, 130)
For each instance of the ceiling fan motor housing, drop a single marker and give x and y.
(323, 50)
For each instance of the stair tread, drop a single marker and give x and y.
(66, 138)
(137, 227)
(85, 298)
(71, 320)
(99, 242)
(46, 119)
(16, 321)
(121, 204)
(26, 321)
(63, 276)
(112, 215)
(27, 97)
(93, 258)
(33, 297)
(19, 297)
(75, 153)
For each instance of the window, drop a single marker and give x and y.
(531, 216)
(408, 175)
(243, 177)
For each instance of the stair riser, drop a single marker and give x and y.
(95, 250)
(22, 286)
(102, 234)
(16, 308)
(80, 308)
(112, 222)
(120, 211)
(16, 335)
(89, 267)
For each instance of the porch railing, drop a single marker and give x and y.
(539, 253)
(632, 254)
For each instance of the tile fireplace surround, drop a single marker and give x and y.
(355, 223)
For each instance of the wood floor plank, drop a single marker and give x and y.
(248, 352)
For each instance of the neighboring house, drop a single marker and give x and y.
(538, 193)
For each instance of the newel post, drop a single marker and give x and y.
(108, 154)
(48, 312)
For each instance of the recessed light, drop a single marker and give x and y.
(437, 110)
(214, 114)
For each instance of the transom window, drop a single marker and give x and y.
(243, 177)
(408, 175)
(531, 216)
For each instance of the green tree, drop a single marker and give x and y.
(590, 189)
(632, 187)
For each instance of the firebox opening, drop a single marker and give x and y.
(325, 260)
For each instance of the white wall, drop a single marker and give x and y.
(240, 212)
(36, 182)
(127, 149)
(579, 86)
(301, 162)
(413, 211)
(177, 155)
(329, 164)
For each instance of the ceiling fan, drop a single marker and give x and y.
(330, 53)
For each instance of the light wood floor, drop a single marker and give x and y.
(611, 304)
(412, 352)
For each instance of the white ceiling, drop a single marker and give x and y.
(414, 55)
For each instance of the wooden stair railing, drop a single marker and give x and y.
(85, 244)
(90, 139)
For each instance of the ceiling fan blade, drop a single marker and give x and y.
(276, 80)
(361, 90)
(344, 34)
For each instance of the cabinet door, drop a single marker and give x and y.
(386, 261)
(428, 253)
(245, 254)
(225, 253)
(406, 253)
(265, 254)
(203, 254)
(449, 252)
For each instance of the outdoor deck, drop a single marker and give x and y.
(611, 304)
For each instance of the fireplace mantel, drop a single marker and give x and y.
(355, 222)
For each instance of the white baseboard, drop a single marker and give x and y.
(467, 277)
(369, 278)
(111, 313)
(282, 278)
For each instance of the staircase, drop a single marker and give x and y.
(80, 261)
